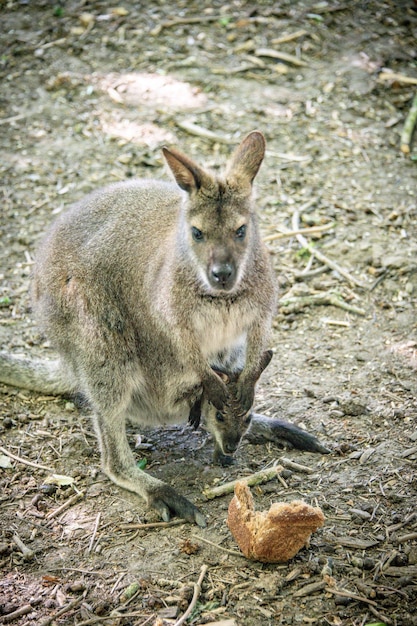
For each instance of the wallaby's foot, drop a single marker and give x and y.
(264, 429)
(166, 501)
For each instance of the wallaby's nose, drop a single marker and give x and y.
(231, 447)
(223, 275)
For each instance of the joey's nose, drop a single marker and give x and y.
(223, 275)
(231, 447)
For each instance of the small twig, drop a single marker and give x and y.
(65, 506)
(28, 554)
(199, 131)
(14, 118)
(62, 611)
(407, 537)
(399, 78)
(409, 125)
(50, 44)
(118, 581)
(216, 545)
(174, 522)
(296, 303)
(23, 610)
(280, 56)
(307, 590)
(98, 618)
(347, 594)
(197, 591)
(297, 467)
(254, 479)
(287, 157)
(25, 461)
(321, 257)
(301, 231)
(289, 37)
(93, 536)
(185, 20)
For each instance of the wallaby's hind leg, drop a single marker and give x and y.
(264, 429)
(119, 465)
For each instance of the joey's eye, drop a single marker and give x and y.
(219, 416)
(248, 419)
(241, 232)
(197, 234)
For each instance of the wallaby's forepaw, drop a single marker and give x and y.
(216, 391)
(225, 460)
(166, 501)
(194, 418)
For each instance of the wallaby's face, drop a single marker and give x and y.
(219, 236)
(217, 223)
(229, 425)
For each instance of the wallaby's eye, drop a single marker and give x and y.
(241, 232)
(248, 420)
(197, 234)
(219, 416)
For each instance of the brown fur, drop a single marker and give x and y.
(141, 309)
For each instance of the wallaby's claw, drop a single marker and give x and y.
(194, 418)
(166, 501)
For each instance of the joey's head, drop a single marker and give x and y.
(229, 425)
(218, 229)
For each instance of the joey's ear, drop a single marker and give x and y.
(264, 362)
(246, 160)
(188, 174)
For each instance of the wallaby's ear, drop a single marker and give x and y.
(264, 362)
(188, 174)
(247, 158)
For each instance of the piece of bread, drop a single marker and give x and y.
(274, 536)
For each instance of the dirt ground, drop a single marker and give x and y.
(91, 90)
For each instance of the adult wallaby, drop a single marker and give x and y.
(145, 287)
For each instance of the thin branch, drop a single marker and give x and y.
(23, 610)
(323, 258)
(301, 231)
(296, 303)
(62, 611)
(409, 125)
(398, 78)
(25, 461)
(280, 56)
(254, 479)
(28, 553)
(65, 506)
(93, 536)
(218, 547)
(174, 522)
(205, 133)
(289, 37)
(347, 594)
(197, 591)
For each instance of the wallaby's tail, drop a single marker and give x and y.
(265, 429)
(45, 376)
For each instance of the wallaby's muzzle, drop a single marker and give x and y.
(222, 275)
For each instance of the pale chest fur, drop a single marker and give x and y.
(221, 330)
